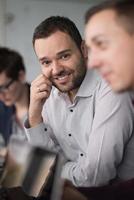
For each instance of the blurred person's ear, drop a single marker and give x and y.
(22, 76)
(84, 49)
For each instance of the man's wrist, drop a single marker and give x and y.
(34, 122)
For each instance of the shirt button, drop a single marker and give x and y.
(71, 110)
(81, 154)
(45, 129)
(69, 135)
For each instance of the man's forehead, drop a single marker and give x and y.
(102, 17)
(3, 79)
(52, 46)
(101, 23)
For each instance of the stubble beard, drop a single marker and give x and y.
(78, 77)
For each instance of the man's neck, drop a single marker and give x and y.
(22, 103)
(72, 94)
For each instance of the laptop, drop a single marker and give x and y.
(34, 169)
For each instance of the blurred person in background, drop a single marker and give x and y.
(5, 122)
(14, 90)
(14, 98)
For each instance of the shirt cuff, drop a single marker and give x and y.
(67, 168)
(36, 135)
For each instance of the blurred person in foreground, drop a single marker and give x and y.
(109, 36)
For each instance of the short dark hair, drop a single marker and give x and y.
(55, 23)
(11, 62)
(124, 10)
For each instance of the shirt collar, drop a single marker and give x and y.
(89, 84)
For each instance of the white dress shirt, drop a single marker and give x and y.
(92, 132)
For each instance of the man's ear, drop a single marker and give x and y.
(84, 49)
(22, 76)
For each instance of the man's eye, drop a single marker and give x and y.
(45, 62)
(65, 56)
(101, 44)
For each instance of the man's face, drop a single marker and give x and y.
(61, 61)
(111, 50)
(10, 90)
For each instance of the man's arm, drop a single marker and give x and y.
(39, 92)
(37, 132)
(112, 128)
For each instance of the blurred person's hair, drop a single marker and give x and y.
(11, 63)
(124, 10)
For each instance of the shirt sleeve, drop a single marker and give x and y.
(112, 128)
(40, 136)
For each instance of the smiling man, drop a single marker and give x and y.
(74, 111)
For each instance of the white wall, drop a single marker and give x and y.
(24, 15)
(2, 22)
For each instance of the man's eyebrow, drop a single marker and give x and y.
(43, 58)
(96, 37)
(58, 54)
(64, 51)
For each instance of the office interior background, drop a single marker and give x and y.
(18, 18)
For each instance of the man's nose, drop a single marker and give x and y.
(94, 61)
(56, 67)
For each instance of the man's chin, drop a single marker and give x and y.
(8, 104)
(62, 88)
(121, 87)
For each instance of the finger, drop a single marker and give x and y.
(42, 95)
(48, 74)
(35, 89)
(40, 80)
(44, 87)
(41, 84)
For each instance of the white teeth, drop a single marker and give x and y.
(62, 78)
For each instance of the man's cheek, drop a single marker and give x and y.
(1, 98)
